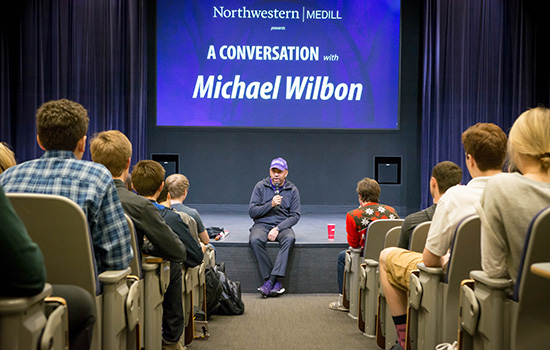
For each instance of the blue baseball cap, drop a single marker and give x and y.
(279, 163)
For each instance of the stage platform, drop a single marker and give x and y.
(312, 266)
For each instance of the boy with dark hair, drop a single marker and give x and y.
(485, 147)
(445, 175)
(357, 221)
(148, 181)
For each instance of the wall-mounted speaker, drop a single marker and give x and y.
(387, 170)
(170, 162)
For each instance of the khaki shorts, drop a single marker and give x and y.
(399, 265)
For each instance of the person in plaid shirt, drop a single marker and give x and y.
(61, 131)
(357, 221)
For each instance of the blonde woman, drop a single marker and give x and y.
(511, 200)
(7, 157)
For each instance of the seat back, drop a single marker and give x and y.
(59, 227)
(434, 293)
(135, 264)
(392, 237)
(465, 257)
(376, 235)
(57, 224)
(419, 236)
(531, 324)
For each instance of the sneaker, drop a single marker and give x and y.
(277, 289)
(447, 346)
(265, 289)
(338, 305)
(396, 347)
(175, 346)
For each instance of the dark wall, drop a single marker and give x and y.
(224, 164)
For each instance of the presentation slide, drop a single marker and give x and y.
(278, 64)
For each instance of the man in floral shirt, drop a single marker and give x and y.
(357, 221)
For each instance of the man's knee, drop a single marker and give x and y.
(384, 255)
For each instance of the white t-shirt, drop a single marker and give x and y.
(455, 204)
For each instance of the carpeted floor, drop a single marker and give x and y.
(292, 321)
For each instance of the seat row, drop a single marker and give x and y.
(128, 302)
(459, 303)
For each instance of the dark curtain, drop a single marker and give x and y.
(93, 52)
(482, 61)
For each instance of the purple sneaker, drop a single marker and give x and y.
(277, 289)
(265, 289)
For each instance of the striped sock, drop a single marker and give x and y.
(401, 327)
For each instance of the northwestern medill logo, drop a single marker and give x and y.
(304, 14)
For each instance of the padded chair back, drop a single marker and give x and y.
(376, 235)
(60, 228)
(419, 236)
(54, 223)
(465, 257)
(532, 324)
(135, 264)
(392, 237)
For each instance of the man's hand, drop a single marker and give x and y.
(273, 233)
(276, 200)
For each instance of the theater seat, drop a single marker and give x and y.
(369, 281)
(36, 322)
(194, 285)
(434, 292)
(496, 314)
(419, 236)
(154, 274)
(374, 242)
(56, 223)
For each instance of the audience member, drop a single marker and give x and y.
(357, 221)
(275, 208)
(444, 176)
(62, 127)
(178, 186)
(7, 158)
(148, 181)
(485, 148)
(113, 149)
(510, 201)
(61, 132)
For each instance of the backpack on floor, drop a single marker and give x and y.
(214, 290)
(231, 302)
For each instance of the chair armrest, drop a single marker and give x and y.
(114, 276)
(18, 304)
(430, 270)
(495, 283)
(371, 262)
(152, 259)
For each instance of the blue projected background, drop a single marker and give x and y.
(284, 64)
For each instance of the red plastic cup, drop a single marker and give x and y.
(331, 228)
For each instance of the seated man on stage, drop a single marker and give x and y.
(275, 208)
(357, 221)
